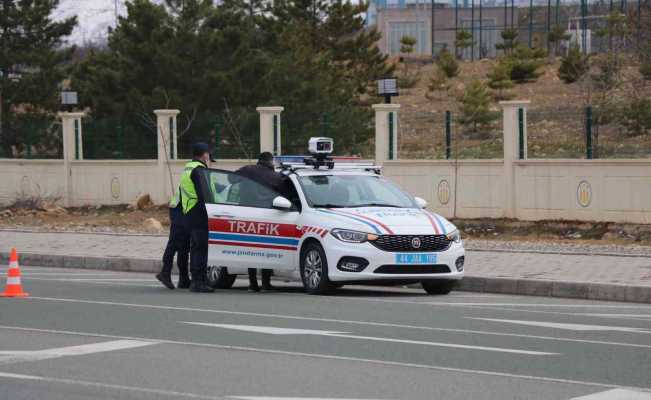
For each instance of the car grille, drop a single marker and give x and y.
(412, 269)
(403, 243)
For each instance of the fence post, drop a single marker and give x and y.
(270, 129)
(386, 132)
(166, 151)
(588, 132)
(515, 138)
(218, 139)
(72, 148)
(448, 135)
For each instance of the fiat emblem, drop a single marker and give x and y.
(415, 243)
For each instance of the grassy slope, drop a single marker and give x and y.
(555, 119)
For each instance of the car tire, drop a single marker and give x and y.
(314, 269)
(219, 278)
(438, 286)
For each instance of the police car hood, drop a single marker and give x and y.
(387, 220)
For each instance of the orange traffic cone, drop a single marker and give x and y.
(14, 288)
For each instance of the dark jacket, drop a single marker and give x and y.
(267, 177)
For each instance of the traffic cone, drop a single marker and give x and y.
(14, 288)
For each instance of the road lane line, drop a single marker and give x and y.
(85, 349)
(168, 393)
(341, 321)
(616, 394)
(341, 358)
(291, 331)
(567, 326)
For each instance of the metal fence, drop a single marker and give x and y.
(449, 135)
(31, 136)
(119, 138)
(352, 133)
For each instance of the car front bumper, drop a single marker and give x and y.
(336, 250)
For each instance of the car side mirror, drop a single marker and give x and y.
(282, 203)
(422, 203)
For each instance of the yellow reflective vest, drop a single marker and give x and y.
(187, 191)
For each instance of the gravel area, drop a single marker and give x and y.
(558, 247)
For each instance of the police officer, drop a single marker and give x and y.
(264, 174)
(196, 218)
(179, 244)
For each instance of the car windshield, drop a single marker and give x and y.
(338, 191)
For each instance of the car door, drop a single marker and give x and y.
(245, 230)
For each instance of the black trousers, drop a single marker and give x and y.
(199, 253)
(253, 280)
(178, 243)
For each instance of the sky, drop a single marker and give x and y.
(93, 17)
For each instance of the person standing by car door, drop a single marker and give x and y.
(264, 174)
(178, 243)
(196, 216)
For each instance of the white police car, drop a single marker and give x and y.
(343, 224)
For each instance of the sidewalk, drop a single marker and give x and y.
(577, 271)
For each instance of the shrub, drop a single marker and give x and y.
(438, 82)
(524, 63)
(573, 66)
(499, 79)
(448, 64)
(636, 117)
(475, 107)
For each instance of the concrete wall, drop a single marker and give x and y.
(92, 182)
(588, 190)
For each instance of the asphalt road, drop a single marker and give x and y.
(96, 335)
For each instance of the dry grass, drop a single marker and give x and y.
(556, 118)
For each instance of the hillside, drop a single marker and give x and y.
(556, 118)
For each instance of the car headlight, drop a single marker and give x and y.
(349, 236)
(454, 236)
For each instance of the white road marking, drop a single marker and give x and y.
(334, 357)
(288, 331)
(633, 316)
(85, 349)
(167, 393)
(571, 327)
(94, 282)
(287, 398)
(616, 394)
(340, 321)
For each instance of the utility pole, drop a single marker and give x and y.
(116, 12)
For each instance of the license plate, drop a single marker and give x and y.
(416, 258)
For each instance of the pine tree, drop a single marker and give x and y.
(556, 36)
(408, 77)
(448, 63)
(475, 107)
(573, 66)
(499, 79)
(509, 41)
(438, 83)
(462, 41)
(524, 63)
(31, 62)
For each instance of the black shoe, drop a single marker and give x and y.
(253, 289)
(184, 283)
(166, 280)
(200, 287)
(267, 287)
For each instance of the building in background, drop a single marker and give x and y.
(395, 19)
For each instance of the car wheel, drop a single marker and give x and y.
(219, 278)
(438, 286)
(314, 269)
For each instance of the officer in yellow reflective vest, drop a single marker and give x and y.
(191, 194)
(179, 244)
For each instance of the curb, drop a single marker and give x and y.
(529, 287)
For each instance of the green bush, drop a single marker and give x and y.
(448, 63)
(524, 63)
(573, 66)
(636, 117)
(499, 79)
(475, 107)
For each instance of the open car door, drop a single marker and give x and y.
(245, 229)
